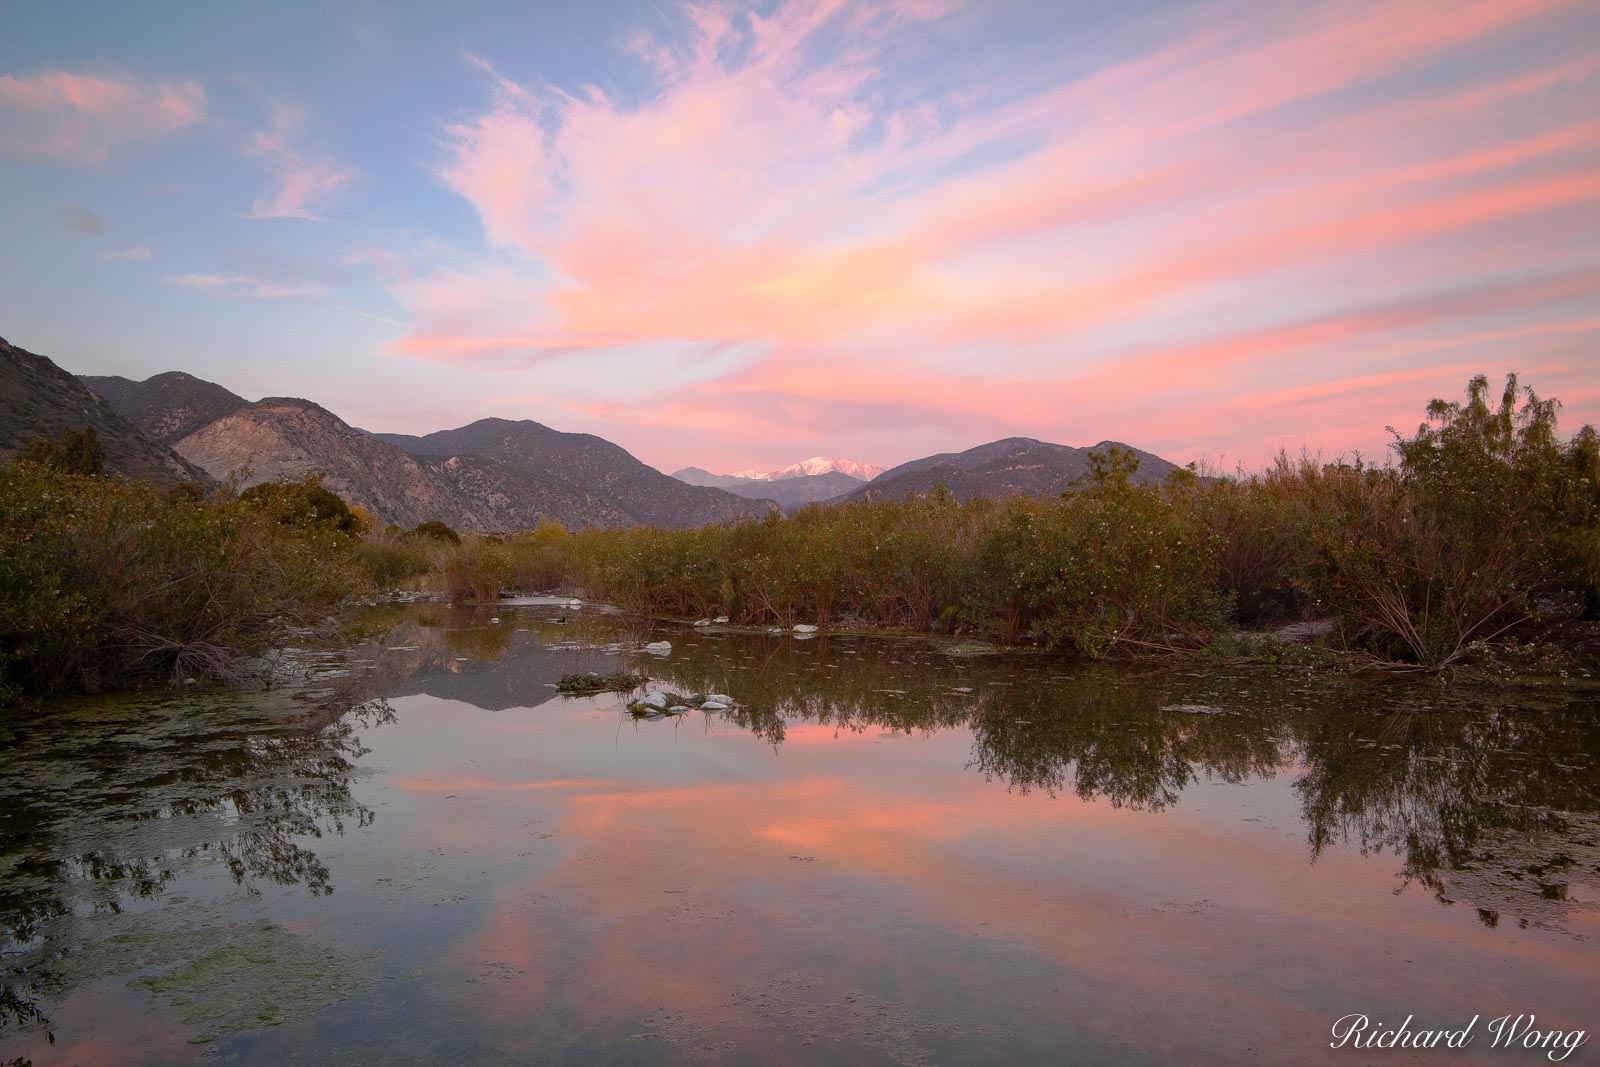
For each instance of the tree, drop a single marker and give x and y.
(77, 452)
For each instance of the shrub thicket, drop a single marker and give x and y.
(105, 583)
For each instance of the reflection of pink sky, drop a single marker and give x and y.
(1297, 227)
(920, 858)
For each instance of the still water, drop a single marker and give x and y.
(887, 851)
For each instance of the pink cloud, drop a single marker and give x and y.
(306, 180)
(904, 251)
(84, 118)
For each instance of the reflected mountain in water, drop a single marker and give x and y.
(112, 808)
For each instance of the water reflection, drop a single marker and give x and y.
(1484, 797)
(1487, 800)
(109, 805)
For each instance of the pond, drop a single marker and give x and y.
(885, 851)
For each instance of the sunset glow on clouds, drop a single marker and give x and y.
(732, 237)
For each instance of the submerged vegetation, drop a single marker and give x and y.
(1487, 523)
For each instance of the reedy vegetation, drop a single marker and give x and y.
(1485, 514)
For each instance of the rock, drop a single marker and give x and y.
(713, 705)
(574, 603)
(678, 709)
(804, 628)
(702, 622)
(652, 701)
(659, 648)
(720, 698)
(720, 619)
(494, 620)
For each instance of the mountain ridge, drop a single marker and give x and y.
(40, 399)
(1007, 467)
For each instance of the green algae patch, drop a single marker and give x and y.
(236, 979)
(970, 648)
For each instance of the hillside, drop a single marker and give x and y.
(599, 467)
(168, 406)
(39, 399)
(1009, 467)
(283, 437)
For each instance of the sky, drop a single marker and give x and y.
(734, 236)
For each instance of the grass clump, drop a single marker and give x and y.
(587, 683)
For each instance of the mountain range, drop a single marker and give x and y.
(808, 482)
(493, 474)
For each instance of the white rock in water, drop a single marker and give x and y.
(659, 648)
(713, 705)
(657, 700)
(494, 620)
(720, 698)
(804, 628)
(702, 622)
(678, 709)
(720, 619)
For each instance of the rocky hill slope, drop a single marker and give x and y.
(39, 399)
(168, 406)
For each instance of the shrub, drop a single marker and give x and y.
(438, 531)
(306, 504)
(77, 452)
(477, 570)
(105, 583)
(387, 563)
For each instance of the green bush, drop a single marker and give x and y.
(389, 563)
(105, 583)
(77, 452)
(438, 531)
(305, 504)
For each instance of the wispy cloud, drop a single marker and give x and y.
(245, 286)
(81, 220)
(139, 254)
(85, 118)
(789, 184)
(306, 179)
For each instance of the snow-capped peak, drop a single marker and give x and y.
(822, 465)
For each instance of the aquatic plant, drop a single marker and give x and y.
(587, 683)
